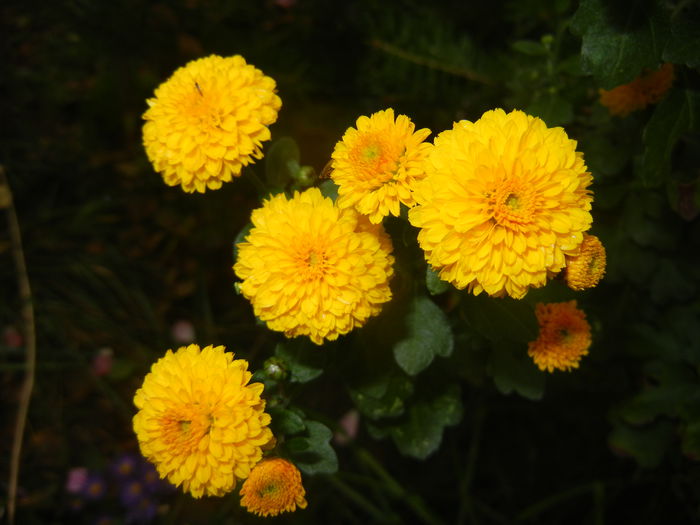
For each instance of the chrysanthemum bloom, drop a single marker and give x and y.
(376, 164)
(208, 120)
(311, 268)
(504, 201)
(274, 486)
(586, 269)
(564, 337)
(648, 88)
(199, 421)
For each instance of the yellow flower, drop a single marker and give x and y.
(310, 268)
(274, 486)
(208, 120)
(504, 201)
(586, 269)
(376, 164)
(199, 421)
(564, 337)
(646, 89)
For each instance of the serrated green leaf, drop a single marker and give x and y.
(514, 371)
(313, 454)
(421, 434)
(429, 334)
(435, 285)
(620, 41)
(677, 114)
(304, 359)
(281, 162)
(501, 318)
(645, 444)
(382, 396)
(329, 189)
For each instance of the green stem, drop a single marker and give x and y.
(356, 497)
(27, 311)
(412, 500)
(256, 182)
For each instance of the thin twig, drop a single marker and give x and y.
(27, 309)
(428, 62)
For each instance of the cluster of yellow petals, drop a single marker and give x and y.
(199, 421)
(564, 336)
(376, 164)
(208, 120)
(648, 88)
(586, 269)
(311, 268)
(504, 201)
(274, 486)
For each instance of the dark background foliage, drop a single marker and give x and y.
(115, 258)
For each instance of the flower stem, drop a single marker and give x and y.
(27, 310)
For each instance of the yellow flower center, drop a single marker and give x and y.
(376, 159)
(312, 262)
(201, 106)
(266, 490)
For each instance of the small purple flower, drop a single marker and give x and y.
(132, 493)
(125, 466)
(152, 480)
(143, 512)
(94, 487)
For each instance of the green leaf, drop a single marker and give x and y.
(691, 440)
(501, 318)
(382, 396)
(281, 162)
(620, 40)
(313, 454)
(304, 359)
(421, 434)
(677, 114)
(513, 370)
(435, 285)
(684, 45)
(286, 421)
(329, 189)
(429, 334)
(645, 444)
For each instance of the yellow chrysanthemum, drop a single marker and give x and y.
(586, 269)
(504, 201)
(199, 421)
(274, 486)
(646, 89)
(208, 120)
(310, 268)
(564, 337)
(376, 165)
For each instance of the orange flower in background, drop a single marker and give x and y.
(564, 337)
(208, 120)
(274, 486)
(586, 269)
(648, 88)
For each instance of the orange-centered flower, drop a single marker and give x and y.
(504, 201)
(274, 486)
(376, 164)
(564, 337)
(199, 421)
(208, 120)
